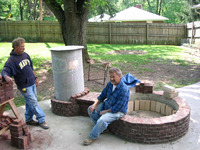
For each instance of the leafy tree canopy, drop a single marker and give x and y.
(178, 11)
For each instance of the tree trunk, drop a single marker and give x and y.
(160, 7)
(34, 10)
(73, 21)
(21, 10)
(40, 10)
(149, 4)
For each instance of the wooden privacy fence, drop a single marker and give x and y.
(193, 33)
(111, 33)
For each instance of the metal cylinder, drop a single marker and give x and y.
(67, 67)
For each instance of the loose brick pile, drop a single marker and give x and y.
(144, 87)
(169, 91)
(6, 91)
(5, 121)
(20, 135)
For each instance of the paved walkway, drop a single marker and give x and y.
(68, 133)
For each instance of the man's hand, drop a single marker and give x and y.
(8, 79)
(36, 82)
(105, 111)
(93, 107)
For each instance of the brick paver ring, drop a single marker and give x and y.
(170, 127)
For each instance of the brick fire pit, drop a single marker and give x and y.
(171, 126)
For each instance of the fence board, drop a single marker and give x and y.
(115, 33)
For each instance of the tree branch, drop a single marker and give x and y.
(55, 7)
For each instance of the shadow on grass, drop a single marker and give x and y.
(47, 45)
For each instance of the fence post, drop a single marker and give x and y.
(110, 34)
(147, 33)
(192, 36)
(39, 31)
(6, 27)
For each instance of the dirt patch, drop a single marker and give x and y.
(127, 52)
(145, 114)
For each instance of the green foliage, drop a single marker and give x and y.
(178, 11)
(103, 6)
(5, 8)
(188, 14)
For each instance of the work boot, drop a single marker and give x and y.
(44, 125)
(32, 122)
(88, 141)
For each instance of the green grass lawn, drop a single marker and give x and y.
(40, 53)
(164, 54)
(158, 53)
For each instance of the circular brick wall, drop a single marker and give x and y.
(170, 127)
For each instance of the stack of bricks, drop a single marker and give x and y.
(6, 91)
(169, 91)
(5, 121)
(144, 87)
(20, 135)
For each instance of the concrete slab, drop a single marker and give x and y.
(69, 132)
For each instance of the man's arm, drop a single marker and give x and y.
(7, 73)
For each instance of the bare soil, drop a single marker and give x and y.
(162, 74)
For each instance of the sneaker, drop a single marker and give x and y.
(32, 122)
(88, 141)
(44, 125)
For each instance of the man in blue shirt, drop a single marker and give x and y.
(20, 66)
(111, 105)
